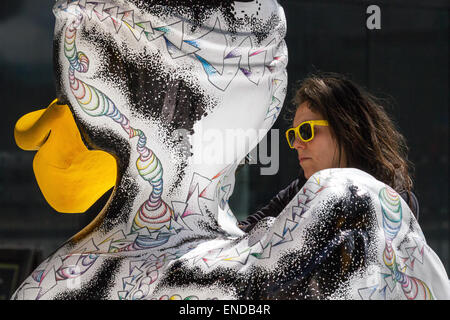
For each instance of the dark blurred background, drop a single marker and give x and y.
(406, 62)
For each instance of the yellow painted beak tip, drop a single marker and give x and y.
(28, 132)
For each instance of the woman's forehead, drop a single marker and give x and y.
(304, 113)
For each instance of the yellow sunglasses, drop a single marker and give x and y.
(305, 131)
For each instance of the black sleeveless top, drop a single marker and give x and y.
(280, 201)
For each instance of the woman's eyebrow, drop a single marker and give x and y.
(293, 125)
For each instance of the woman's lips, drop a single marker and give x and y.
(303, 159)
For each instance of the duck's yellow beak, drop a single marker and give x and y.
(71, 177)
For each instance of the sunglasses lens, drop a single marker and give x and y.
(291, 137)
(305, 131)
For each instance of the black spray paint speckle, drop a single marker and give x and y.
(197, 11)
(99, 287)
(337, 246)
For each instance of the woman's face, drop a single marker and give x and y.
(322, 151)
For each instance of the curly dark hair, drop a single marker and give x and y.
(360, 125)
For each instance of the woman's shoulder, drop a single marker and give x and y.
(338, 179)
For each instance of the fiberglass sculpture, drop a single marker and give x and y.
(146, 90)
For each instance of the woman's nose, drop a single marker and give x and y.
(299, 144)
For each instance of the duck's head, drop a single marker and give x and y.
(131, 73)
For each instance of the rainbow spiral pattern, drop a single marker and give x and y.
(154, 213)
(391, 208)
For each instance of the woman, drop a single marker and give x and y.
(352, 237)
(336, 125)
